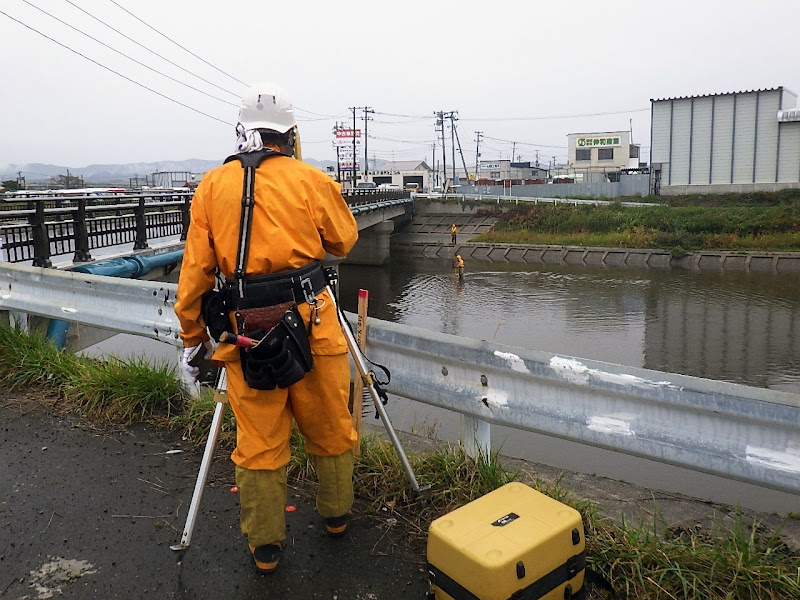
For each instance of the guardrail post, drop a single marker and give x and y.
(476, 436)
(81, 234)
(41, 241)
(141, 227)
(186, 217)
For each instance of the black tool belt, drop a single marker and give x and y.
(297, 285)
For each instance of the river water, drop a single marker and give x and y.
(733, 326)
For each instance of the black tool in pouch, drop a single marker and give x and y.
(282, 355)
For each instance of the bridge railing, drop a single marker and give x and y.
(39, 228)
(735, 431)
(36, 229)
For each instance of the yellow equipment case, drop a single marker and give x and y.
(512, 543)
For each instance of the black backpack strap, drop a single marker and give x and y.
(250, 162)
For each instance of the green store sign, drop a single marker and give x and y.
(597, 141)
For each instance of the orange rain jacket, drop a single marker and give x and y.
(299, 215)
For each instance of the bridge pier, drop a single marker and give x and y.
(372, 247)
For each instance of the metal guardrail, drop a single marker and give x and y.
(36, 229)
(740, 432)
(529, 199)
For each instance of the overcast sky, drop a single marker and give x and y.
(519, 72)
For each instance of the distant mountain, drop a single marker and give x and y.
(122, 173)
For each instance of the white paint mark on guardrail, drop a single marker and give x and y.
(514, 361)
(497, 398)
(788, 461)
(69, 310)
(609, 425)
(575, 371)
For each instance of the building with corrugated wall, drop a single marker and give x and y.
(733, 142)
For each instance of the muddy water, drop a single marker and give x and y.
(738, 327)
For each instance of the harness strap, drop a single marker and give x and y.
(250, 162)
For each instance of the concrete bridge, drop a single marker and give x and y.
(47, 231)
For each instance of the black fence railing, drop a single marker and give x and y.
(36, 229)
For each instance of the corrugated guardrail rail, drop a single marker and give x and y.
(740, 432)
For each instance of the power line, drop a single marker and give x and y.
(113, 71)
(523, 143)
(191, 87)
(405, 116)
(117, 4)
(199, 58)
(151, 51)
(553, 117)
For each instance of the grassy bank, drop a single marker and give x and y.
(743, 222)
(739, 559)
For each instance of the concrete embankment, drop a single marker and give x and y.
(428, 236)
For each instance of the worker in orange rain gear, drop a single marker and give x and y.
(298, 215)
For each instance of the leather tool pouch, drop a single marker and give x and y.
(214, 309)
(283, 354)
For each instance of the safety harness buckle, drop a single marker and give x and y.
(308, 290)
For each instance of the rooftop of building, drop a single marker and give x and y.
(774, 89)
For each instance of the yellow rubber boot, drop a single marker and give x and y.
(335, 495)
(262, 498)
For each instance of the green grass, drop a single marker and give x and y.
(771, 227)
(116, 390)
(738, 560)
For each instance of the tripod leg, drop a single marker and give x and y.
(366, 376)
(220, 396)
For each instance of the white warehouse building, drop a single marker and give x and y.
(733, 142)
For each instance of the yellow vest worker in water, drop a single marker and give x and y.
(458, 265)
(298, 215)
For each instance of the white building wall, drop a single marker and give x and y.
(789, 152)
(744, 138)
(681, 132)
(701, 141)
(660, 137)
(723, 140)
(766, 155)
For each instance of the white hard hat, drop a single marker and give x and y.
(267, 106)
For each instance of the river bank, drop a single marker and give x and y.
(710, 233)
(428, 235)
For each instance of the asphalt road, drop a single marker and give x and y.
(92, 514)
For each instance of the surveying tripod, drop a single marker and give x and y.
(221, 398)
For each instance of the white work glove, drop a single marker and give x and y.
(189, 351)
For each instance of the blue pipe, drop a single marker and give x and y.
(130, 266)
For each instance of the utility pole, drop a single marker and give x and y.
(479, 134)
(452, 115)
(353, 163)
(433, 164)
(537, 158)
(336, 144)
(513, 150)
(461, 152)
(440, 123)
(367, 110)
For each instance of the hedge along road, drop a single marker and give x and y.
(89, 513)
